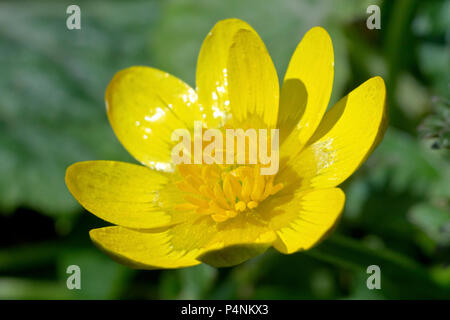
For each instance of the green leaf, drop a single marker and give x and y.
(52, 112)
(406, 278)
(189, 283)
(432, 25)
(15, 288)
(101, 277)
(28, 256)
(197, 281)
(434, 221)
(436, 126)
(405, 165)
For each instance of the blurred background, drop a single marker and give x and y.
(52, 114)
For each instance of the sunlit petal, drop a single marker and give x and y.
(121, 193)
(236, 79)
(347, 135)
(145, 106)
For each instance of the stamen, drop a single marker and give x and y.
(240, 206)
(223, 192)
(252, 204)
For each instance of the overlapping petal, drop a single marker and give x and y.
(120, 193)
(143, 249)
(344, 139)
(145, 106)
(199, 239)
(238, 240)
(306, 90)
(236, 80)
(304, 218)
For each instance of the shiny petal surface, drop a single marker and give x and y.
(237, 240)
(253, 82)
(145, 106)
(143, 250)
(305, 219)
(158, 225)
(120, 193)
(236, 80)
(186, 244)
(347, 135)
(306, 89)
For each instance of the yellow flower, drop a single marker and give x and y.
(173, 216)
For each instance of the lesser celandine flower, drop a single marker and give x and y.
(173, 216)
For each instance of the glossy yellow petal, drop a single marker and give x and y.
(118, 192)
(237, 240)
(306, 89)
(212, 73)
(347, 135)
(143, 249)
(305, 218)
(236, 80)
(233, 254)
(197, 239)
(144, 106)
(252, 82)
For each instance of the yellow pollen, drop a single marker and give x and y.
(222, 192)
(252, 204)
(240, 206)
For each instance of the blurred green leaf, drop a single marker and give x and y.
(406, 278)
(432, 25)
(359, 288)
(405, 164)
(401, 173)
(435, 63)
(101, 277)
(14, 288)
(28, 256)
(436, 126)
(441, 273)
(51, 93)
(432, 220)
(189, 283)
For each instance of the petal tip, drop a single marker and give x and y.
(319, 30)
(231, 22)
(378, 81)
(69, 176)
(94, 233)
(379, 86)
(341, 198)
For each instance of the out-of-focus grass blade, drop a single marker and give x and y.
(432, 220)
(101, 277)
(189, 283)
(24, 289)
(410, 279)
(29, 256)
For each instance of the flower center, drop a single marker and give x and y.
(224, 191)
